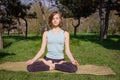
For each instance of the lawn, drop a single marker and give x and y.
(86, 48)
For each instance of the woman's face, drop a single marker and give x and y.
(56, 20)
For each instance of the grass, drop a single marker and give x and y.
(86, 48)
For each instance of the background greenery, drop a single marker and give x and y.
(86, 48)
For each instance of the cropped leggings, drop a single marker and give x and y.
(40, 66)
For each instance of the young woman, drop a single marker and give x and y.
(55, 39)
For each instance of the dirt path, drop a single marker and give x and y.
(82, 69)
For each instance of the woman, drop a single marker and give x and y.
(55, 39)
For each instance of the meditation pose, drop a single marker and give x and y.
(50, 64)
(55, 39)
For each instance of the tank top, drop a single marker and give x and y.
(55, 45)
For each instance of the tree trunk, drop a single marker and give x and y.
(76, 26)
(106, 20)
(43, 16)
(75, 30)
(1, 41)
(23, 25)
(101, 14)
(26, 27)
(9, 26)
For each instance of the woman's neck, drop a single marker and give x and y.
(56, 30)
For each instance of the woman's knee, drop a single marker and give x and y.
(73, 68)
(29, 68)
(66, 67)
(37, 66)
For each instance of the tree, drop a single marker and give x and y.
(77, 9)
(18, 10)
(46, 27)
(105, 6)
(14, 9)
(2, 13)
(1, 41)
(84, 8)
(11, 9)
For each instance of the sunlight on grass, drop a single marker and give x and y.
(87, 49)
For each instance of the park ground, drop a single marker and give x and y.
(86, 48)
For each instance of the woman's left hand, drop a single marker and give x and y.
(75, 62)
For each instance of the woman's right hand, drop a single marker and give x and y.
(75, 62)
(29, 62)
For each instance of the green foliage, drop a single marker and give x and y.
(79, 8)
(86, 48)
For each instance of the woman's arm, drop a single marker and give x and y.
(67, 49)
(42, 49)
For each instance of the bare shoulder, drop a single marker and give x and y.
(45, 33)
(66, 34)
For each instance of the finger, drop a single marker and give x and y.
(74, 63)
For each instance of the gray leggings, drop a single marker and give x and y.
(40, 66)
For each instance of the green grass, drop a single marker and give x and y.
(86, 48)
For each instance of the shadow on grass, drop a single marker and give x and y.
(18, 38)
(112, 42)
(8, 40)
(4, 54)
(7, 44)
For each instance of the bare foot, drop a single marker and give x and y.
(60, 62)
